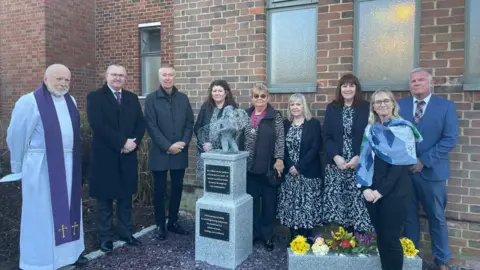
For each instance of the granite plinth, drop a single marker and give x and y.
(332, 261)
(237, 164)
(231, 253)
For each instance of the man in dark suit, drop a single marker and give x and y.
(169, 118)
(118, 126)
(436, 119)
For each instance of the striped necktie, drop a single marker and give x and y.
(118, 96)
(419, 110)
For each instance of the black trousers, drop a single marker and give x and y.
(387, 216)
(264, 205)
(105, 218)
(176, 189)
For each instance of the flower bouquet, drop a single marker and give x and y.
(409, 249)
(299, 245)
(319, 246)
(343, 242)
(365, 244)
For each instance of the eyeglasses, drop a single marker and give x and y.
(263, 96)
(117, 75)
(385, 101)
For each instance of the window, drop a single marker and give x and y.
(150, 56)
(472, 46)
(386, 42)
(292, 46)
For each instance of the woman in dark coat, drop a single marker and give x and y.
(264, 140)
(384, 179)
(345, 122)
(219, 96)
(299, 199)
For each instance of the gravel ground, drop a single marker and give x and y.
(178, 252)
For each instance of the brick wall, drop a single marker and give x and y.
(70, 40)
(29, 43)
(117, 35)
(22, 49)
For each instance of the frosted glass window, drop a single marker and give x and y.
(150, 59)
(472, 50)
(385, 43)
(150, 67)
(292, 47)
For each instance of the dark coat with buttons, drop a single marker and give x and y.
(113, 174)
(169, 120)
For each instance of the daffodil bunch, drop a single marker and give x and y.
(319, 247)
(409, 249)
(299, 245)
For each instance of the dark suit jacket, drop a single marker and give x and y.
(439, 129)
(309, 164)
(333, 129)
(112, 174)
(169, 120)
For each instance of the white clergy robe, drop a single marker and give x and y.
(26, 141)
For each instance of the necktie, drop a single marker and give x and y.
(419, 110)
(119, 98)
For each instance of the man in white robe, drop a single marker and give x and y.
(45, 126)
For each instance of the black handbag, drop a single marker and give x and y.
(272, 175)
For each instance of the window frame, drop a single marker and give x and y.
(468, 84)
(146, 27)
(371, 86)
(289, 5)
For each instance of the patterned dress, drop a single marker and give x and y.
(343, 201)
(299, 198)
(215, 143)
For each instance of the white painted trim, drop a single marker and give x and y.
(143, 25)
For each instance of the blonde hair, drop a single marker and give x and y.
(303, 101)
(373, 115)
(259, 87)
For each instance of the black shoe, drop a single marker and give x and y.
(106, 246)
(175, 228)
(269, 245)
(82, 261)
(160, 233)
(132, 241)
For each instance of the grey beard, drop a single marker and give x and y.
(55, 92)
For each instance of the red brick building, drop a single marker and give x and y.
(291, 45)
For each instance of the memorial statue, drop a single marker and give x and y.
(223, 133)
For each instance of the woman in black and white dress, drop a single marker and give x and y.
(299, 198)
(345, 122)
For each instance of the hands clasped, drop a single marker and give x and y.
(129, 146)
(176, 148)
(372, 195)
(342, 164)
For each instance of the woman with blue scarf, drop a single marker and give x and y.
(387, 152)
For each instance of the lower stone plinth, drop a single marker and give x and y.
(332, 261)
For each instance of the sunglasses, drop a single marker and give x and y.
(263, 96)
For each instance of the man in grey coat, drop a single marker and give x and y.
(169, 118)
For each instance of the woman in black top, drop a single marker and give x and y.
(384, 178)
(219, 96)
(264, 140)
(299, 199)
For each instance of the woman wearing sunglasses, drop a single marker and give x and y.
(264, 140)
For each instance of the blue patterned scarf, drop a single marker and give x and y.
(393, 142)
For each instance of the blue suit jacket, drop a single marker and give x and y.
(439, 129)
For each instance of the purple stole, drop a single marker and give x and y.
(66, 221)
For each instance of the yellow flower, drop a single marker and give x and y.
(299, 245)
(352, 243)
(341, 230)
(409, 249)
(329, 242)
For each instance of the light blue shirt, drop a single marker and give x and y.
(427, 99)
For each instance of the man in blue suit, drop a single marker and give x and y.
(436, 119)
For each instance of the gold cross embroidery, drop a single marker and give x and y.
(63, 229)
(74, 227)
